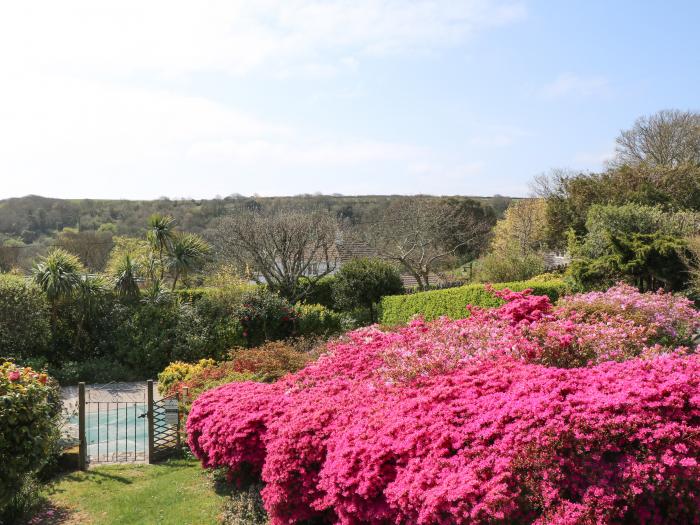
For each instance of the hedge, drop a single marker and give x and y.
(452, 302)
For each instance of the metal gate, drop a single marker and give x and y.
(118, 428)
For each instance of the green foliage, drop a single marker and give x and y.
(648, 261)
(636, 243)
(571, 195)
(187, 253)
(363, 282)
(29, 409)
(317, 320)
(319, 292)
(126, 274)
(605, 221)
(58, 274)
(24, 319)
(452, 302)
(265, 316)
(509, 265)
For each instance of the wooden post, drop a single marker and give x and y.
(82, 446)
(150, 415)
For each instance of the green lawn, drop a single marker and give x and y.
(177, 492)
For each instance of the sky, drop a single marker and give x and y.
(193, 99)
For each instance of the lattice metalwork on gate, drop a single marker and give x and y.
(119, 423)
(166, 427)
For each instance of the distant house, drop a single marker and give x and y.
(556, 260)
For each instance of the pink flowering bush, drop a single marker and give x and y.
(527, 413)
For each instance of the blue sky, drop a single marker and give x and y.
(135, 99)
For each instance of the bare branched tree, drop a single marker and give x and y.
(669, 138)
(421, 233)
(279, 248)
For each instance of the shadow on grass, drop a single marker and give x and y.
(50, 514)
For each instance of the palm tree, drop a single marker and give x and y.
(188, 252)
(126, 277)
(160, 235)
(58, 274)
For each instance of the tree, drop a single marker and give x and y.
(278, 248)
(160, 234)
(646, 260)
(522, 228)
(421, 233)
(125, 277)
(58, 274)
(187, 252)
(518, 241)
(669, 138)
(91, 247)
(363, 282)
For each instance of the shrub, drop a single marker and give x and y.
(317, 320)
(29, 409)
(459, 422)
(320, 291)
(452, 302)
(361, 283)
(178, 372)
(24, 319)
(264, 315)
(509, 266)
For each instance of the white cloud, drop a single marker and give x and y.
(570, 84)
(92, 99)
(177, 37)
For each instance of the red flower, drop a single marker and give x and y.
(43, 378)
(13, 376)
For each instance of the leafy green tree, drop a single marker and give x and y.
(125, 277)
(518, 240)
(362, 282)
(161, 230)
(58, 274)
(647, 260)
(187, 252)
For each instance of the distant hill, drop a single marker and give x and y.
(29, 218)
(28, 225)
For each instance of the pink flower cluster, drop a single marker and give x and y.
(459, 422)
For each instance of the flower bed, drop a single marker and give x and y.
(527, 413)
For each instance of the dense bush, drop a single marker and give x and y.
(265, 315)
(452, 302)
(362, 282)
(29, 408)
(320, 291)
(24, 319)
(459, 422)
(317, 320)
(179, 371)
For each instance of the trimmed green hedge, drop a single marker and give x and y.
(452, 302)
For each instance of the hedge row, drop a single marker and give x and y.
(397, 309)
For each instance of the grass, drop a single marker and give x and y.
(177, 492)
